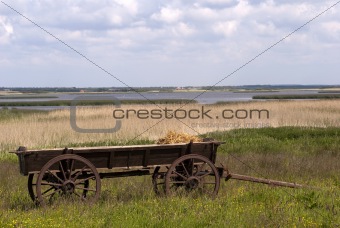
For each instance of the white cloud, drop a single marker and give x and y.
(6, 30)
(219, 1)
(168, 15)
(115, 19)
(332, 27)
(125, 43)
(202, 13)
(130, 5)
(226, 28)
(242, 9)
(183, 29)
(266, 28)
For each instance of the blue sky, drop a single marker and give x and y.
(168, 43)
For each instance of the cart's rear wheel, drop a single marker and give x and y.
(70, 177)
(31, 185)
(192, 175)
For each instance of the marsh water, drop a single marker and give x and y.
(210, 97)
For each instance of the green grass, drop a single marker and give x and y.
(94, 102)
(242, 207)
(307, 156)
(291, 140)
(298, 96)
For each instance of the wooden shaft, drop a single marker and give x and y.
(263, 181)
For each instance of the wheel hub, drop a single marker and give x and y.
(192, 183)
(68, 187)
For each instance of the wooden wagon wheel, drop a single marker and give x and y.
(31, 185)
(70, 176)
(192, 175)
(158, 181)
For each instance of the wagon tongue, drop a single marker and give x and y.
(263, 181)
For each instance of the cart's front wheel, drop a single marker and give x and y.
(69, 177)
(192, 175)
(158, 181)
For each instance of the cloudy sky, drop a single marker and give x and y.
(168, 43)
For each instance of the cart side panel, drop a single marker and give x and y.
(22, 164)
(115, 158)
(205, 149)
(166, 155)
(34, 161)
(136, 157)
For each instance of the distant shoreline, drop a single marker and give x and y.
(160, 89)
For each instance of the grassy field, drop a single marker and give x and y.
(301, 145)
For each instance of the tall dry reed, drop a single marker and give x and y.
(54, 130)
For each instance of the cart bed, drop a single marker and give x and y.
(31, 161)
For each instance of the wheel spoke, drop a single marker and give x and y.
(178, 174)
(83, 180)
(51, 184)
(71, 168)
(185, 169)
(62, 170)
(200, 168)
(177, 182)
(77, 194)
(61, 181)
(78, 173)
(87, 189)
(192, 166)
(51, 194)
(204, 175)
(47, 190)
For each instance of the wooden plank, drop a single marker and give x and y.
(129, 173)
(111, 159)
(183, 150)
(146, 157)
(109, 148)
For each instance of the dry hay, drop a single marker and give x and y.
(178, 137)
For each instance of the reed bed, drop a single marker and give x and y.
(39, 130)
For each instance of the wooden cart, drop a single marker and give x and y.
(76, 173)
